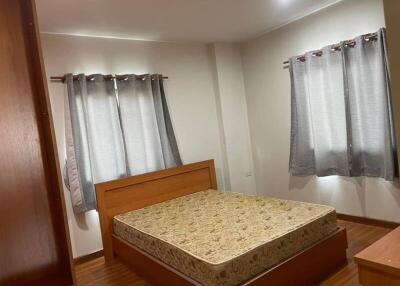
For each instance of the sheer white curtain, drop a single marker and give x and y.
(341, 112)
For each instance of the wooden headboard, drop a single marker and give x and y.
(131, 193)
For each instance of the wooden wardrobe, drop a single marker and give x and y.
(34, 238)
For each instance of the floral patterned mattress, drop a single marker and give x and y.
(224, 238)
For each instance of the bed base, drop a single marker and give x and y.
(306, 268)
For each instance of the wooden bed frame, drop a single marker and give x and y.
(308, 267)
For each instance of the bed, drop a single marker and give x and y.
(175, 228)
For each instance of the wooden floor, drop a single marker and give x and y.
(117, 274)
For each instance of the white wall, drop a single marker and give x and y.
(233, 112)
(190, 93)
(268, 100)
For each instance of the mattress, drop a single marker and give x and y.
(223, 238)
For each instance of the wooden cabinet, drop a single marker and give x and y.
(379, 264)
(34, 238)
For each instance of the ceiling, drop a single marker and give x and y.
(172, 20)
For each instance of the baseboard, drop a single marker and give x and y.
(86, 258)
(370, 221)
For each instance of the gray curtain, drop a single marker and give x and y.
(109, 137)
(149, 137)
(95, 150)
(341, 112)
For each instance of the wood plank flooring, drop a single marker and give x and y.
(95, 272)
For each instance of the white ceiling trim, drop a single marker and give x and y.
(292, 20)
(111, 37)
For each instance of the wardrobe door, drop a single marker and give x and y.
(392, 19)
(33, 238)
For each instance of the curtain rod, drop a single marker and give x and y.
(337, 47)
(107, 77)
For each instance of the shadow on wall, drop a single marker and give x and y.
(299, 182)
(361, 186)
(81, 221)
(394, 191)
